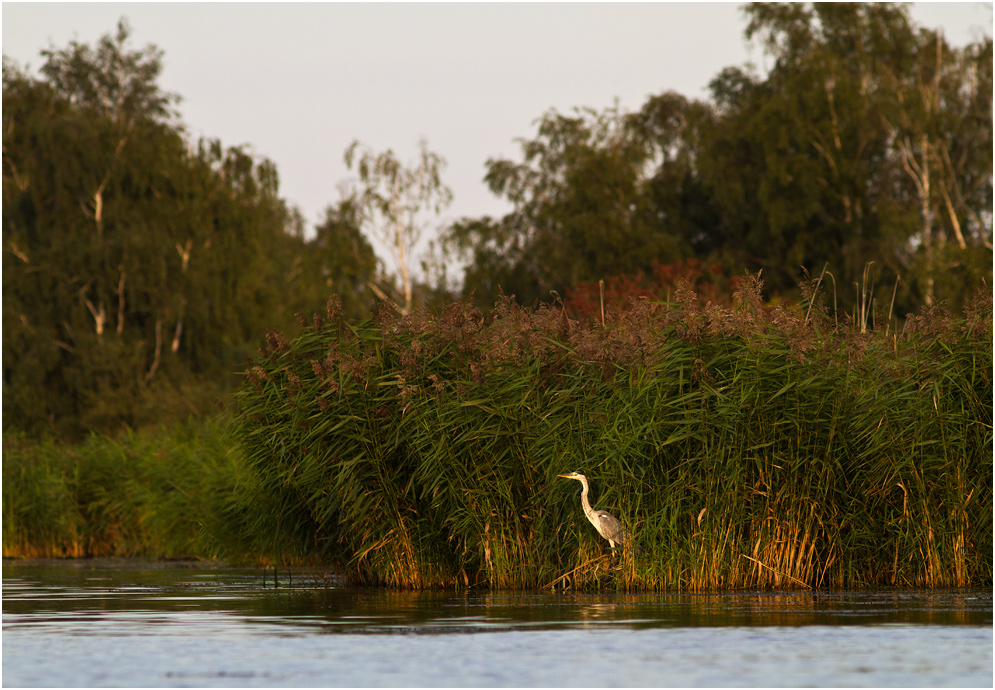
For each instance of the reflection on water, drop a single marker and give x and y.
(123, 622)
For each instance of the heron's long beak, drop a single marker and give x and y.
(565, 476)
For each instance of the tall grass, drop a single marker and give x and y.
(744, 447)
(159, 494)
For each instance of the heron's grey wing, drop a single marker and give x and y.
(610, 528)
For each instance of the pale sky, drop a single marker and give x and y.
(299, 82)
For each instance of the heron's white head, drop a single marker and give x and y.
(573, 475)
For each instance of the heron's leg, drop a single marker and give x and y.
(616, 556)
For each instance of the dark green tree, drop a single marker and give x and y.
(811, 168)
(799, 160)
(578, 215)
(674, 199)
(339, 260)
(138, 270)
(939, 122)
(866, 149)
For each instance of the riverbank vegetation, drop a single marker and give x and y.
(157, 493)
(141, 266)
(823, 430)
(748, 446)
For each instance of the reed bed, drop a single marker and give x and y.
(753, 446)
(156, 494)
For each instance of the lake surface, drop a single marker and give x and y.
(135, 623)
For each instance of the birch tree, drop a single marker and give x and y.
(393, 200)
(138, 269)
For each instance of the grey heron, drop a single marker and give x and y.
(608, 525)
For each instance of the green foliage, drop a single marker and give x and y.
(869, 139)
(139, 269)
(339, 260)
(109, 80)
(744, 446)
(157, 494)
(855, 147)
(579, 210)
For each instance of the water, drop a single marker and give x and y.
(134, 623)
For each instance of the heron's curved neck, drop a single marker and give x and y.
(585, 504)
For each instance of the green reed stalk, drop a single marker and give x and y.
(157, 494)
(751, 447)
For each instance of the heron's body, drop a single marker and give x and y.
(607, 524)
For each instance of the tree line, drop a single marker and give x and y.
(141, 268)
(869, 140)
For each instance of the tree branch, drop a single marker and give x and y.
(99, 316)
(158, 351)
(120, 300)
